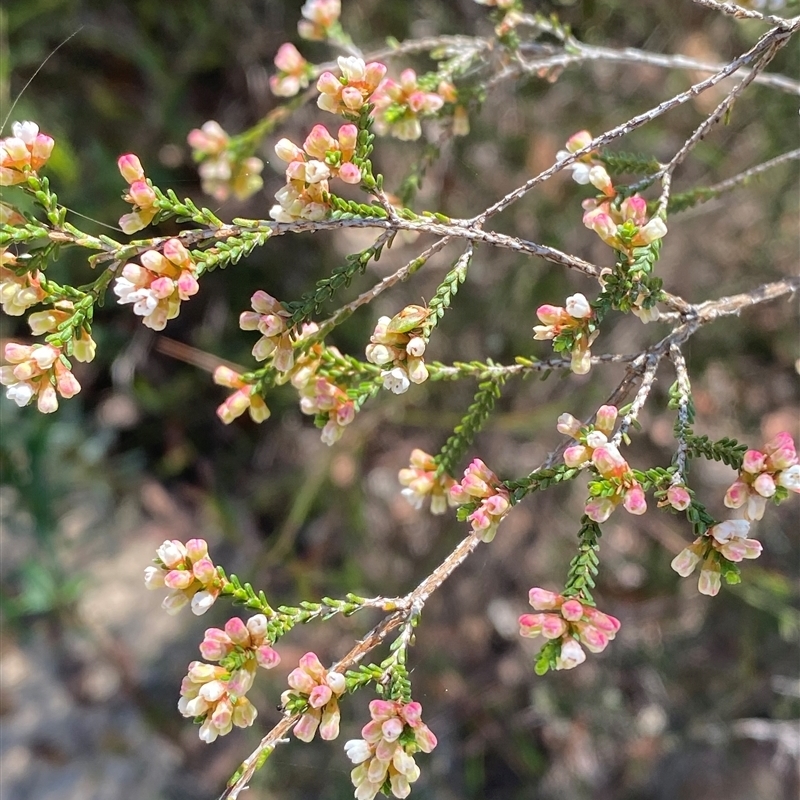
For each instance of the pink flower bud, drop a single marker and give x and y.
(348, 137)
(225, 376)
(606, 419)
(781, 451)
(753, 462)
(142, 194)
(634, 209)
(66, 383)
(47, 401)
(237, 631)
(319, 142)
(594, 640)
(543, 600)
(306, 727)
(553, 626)
(216, 645)
(130, 167)
(266, 657)
(603, 622)
(599, 509)
(678, 497)
(764, 484)
(635, 501)
(204, 570)
(550, 315)
(609, 461)
(178, 579)
(350, 173)
(572, 610)
(288, 58)
(578, 141)
(568, 425)
(187, 285)
(175, 251)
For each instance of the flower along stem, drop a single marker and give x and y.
(332, 181)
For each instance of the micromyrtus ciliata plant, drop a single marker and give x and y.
(360, 98)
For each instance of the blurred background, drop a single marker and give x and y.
(696, 698)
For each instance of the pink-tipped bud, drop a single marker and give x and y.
(764, 484)
(679, 498)
(572, 610)
(131, 168)
(606, 419)
(635, 501)
(267, 657)
(578, 141)
(543, 600)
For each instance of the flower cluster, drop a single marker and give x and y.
(216, 697)
(140, 195)
(482, 485)
(385, 756)
(245, 398)
(622, 225)
(25, 151)
(189, 574)
(247, 641)
(348, 94)
(400, 105)
(398, 345)
(570, 624)
(18, 292)
(421, 481)
(581, 167)
(320, 17)
(330, 404)
(222, 172)
(269, 317)
(763, 474)
(619, 483)
(294, 72)
(37, 371)
(573, 325)
(157, 286)
(727, 540)
(319, 690)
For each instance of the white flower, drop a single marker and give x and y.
(396, 380)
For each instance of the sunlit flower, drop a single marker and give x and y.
(319, 17)
(398, 345)
(481, 485)
(581, 167)
(726, 539)
(573, 325)
(399, 106)
(762, 474)
(348, 94)
(39, 372)
(157, 286)
(248, 641)
(569, 623)
(320, 689)
(245, 398)
(420, 481)
(189, 574)
(24, 152)
(140, 195)
(330, 404)
(216, 697)
(18, 292)
(222, 171)
(294, 72)
(392, 737)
